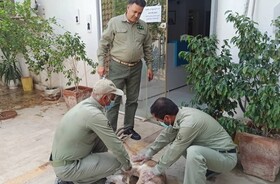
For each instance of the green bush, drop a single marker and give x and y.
(252, 82)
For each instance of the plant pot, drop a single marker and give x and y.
(259, 156)
(52, 94)
(73, 97)
(7, 114)
(12, 84)
(53, 91)
(27, 83)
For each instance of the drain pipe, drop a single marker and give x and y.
(246, 7)
(253, 9)
(249, 8)
(85, 70)
(213, 17)
(99, 19)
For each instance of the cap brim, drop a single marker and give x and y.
(118, 92)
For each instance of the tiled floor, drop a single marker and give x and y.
(25, 144)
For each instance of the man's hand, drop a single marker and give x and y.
(150, 74)
(141, 157)
(148, 175)
(101, 71)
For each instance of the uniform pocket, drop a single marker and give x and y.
(121, 34)
(140, 36)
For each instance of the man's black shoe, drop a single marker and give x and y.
(59, 181)
(134, 135)
(210, 174)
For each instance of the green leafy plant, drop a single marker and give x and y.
(47, 57)
(9, 71)
(257, 75)
(21, 30)
(72, 48)
(231, 125)
(252, 82)
(210, 74)
(60, 53)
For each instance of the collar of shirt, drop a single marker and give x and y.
(96, 104)
(178, 119)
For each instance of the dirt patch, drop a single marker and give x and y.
(17, 98)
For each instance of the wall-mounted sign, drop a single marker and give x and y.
(151, 14)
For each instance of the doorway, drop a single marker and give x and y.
(184, 17)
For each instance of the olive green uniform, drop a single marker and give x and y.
(81, 141)
(199, 138)
(128, 43)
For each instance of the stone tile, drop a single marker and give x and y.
(25, 143)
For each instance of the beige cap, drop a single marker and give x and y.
(105, 86)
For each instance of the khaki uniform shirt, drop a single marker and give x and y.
(191, 127)
(129, 42)
(78, 131)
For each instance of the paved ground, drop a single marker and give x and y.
(25, 144)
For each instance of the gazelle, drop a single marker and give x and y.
(132, 147)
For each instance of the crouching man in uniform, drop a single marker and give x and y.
(82, 139)
(193, 134)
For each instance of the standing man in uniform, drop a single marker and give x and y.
(193, 134)
(127, 40)
(83, 137)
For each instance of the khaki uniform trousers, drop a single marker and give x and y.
(128, 77)
(199, 159)
(93, 169)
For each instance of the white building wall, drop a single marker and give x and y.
(65, 12)
(261, 11)
(264, 11)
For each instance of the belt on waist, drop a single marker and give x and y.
(58, 163)
(130, 64)
(228, 151)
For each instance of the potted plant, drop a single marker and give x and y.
(46, 59)
(10, 73)
(210, 74)
(21, 30)
(10, 43)
(257, 82)
(51, 65)
(72, 48)
(252, 83)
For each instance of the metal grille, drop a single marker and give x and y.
(107, 11)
